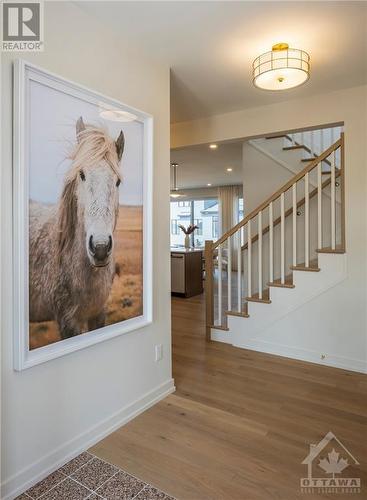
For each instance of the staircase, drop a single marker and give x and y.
(283, 254)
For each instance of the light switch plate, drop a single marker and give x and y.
(158, 352)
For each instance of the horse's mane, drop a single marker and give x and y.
(93, 145)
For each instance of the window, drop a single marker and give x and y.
(215, 227)
(202, 213)
(240, 209)
(199, 224)
(174, 227)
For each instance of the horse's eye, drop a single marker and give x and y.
(82, 175)
(118, 182)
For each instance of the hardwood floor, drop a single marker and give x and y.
(241, 422)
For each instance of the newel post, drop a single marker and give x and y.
(209, 305)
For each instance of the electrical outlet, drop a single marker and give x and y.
(158, 352)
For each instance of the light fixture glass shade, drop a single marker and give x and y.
(282, 68)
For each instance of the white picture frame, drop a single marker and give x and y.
(25, 358)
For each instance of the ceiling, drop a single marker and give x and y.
(209, 46)
(199, 165)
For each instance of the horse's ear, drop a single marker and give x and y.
(80, 127)
(120, 143)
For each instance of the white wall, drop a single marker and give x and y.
(338, 316)
(53, 410)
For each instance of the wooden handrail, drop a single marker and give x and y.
(288, 212)
(276, 195)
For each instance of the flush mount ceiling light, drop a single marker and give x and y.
(213, 146)
(282, 68)
(229, 169)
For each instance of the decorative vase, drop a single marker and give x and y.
(187, 241)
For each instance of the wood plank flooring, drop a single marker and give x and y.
(241, 422)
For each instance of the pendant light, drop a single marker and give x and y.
(175, 193)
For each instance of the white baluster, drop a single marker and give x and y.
(319, 206)
(307, 215)
(282, 243)
(294, 223)
(229, 274)
(260, 254)
(332, 199)
(322, 140)
(293, 137)
(312, 144)
(302, 138)
(239, 272)
(271, 244)
(220, 284)
(249, 249)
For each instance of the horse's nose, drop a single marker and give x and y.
(100, 249)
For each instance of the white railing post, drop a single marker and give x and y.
(239, 271)
(260, 253)
(294, 223)
(249, 249)
(319, 206)
(220, 284)
(307, 215)
(229, 274)
(293, 139)
(312, 144)
(271, 244)
(282, 242)
(332, 200)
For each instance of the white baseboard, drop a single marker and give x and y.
(37, 471)
(355, 365)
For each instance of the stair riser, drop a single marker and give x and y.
(285, 300)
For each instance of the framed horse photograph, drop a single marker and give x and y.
(82, 217)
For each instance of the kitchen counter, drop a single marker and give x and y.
(186, 271)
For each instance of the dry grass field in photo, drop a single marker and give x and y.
(126, 297)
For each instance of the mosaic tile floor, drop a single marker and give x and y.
(88, 477)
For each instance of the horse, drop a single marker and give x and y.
(71, 261)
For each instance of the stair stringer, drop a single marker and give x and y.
(308, 285)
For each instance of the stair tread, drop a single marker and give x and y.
(302, 267)
(311, 158)
(338, 249)
(281, 136)
(220, 327)
(288, 282)
(236, 313)
(296, 146)
(265, 297)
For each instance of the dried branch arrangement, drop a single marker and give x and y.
(189, 229)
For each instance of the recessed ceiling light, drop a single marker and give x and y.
(208, 184)
(213, 146)
(282, 68)
(229, 169)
